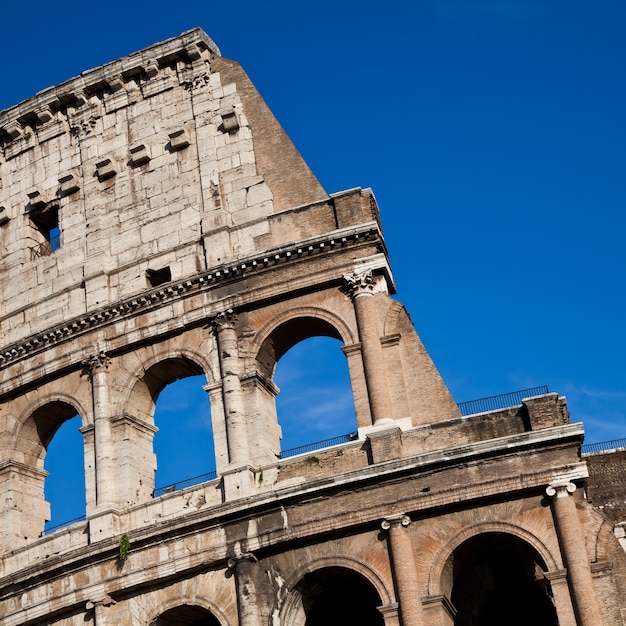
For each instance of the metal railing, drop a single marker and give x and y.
(318, 445)
(51, 529)
(46, 248)
(183, 484)
(603, 446)
(503, 401)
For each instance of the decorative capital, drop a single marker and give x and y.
(395, 520)
(224, 319)
(233, 561)
(106, 601)
(359, 283)
(97, 362)
(560, 489)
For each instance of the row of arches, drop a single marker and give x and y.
(492, 578)
(315, 403)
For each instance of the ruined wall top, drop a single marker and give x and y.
(190, 45)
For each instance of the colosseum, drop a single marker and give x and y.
(156, 223)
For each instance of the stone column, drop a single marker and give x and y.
(245, 569)
(361, 288)
(230, 370)
(403, 567)
(571, 538)
(98, 609)
(97, 367)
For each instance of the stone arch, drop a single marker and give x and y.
(35, 428)
(133, 427)
(391, 318)
(37, 425)
(495, 572)
(293, 611)
(148, 379)
(282, 331)
(444, 553)
(602, 537)
(185, 600)
(287, 328)
(346, 562)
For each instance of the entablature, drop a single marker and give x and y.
(149, 301)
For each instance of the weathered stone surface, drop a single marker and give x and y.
(195, 239)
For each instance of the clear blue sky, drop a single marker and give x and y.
(492, 132)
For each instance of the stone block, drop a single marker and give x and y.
(139, 154)
(105, 169)
(68, 184)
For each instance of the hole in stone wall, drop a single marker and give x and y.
(158, 277)
(46, 221)
(64, 488)
(184, 442)
(315, 400)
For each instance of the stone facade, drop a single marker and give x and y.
(155, 223)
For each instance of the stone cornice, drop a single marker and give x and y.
(22, 468)
(151, 299)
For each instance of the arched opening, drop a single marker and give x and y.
(498, 578)
(288, 335)
(315, 401)
(64, 488)
(303, 356)
(336, 596)
(52, 490)
(186, 615)
(183, 443)
(164, 430)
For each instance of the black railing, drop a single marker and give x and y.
(46, 248)
(189, 482)
(318, 445)
(51, 529)
(504, 401)
(604, 446)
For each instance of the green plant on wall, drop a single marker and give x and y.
(124, 546)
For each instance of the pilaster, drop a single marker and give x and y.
(361, 288)
(97, 369)
(562, 597)
(403, 567)
(224, 327)
(571, 538)
(246, 569)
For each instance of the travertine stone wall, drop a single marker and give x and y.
(178, 199)
(151, 163)
(607, 483)
(194, 239)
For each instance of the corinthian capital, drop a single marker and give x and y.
(94, 363)
(224, 319)
(359, 283)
